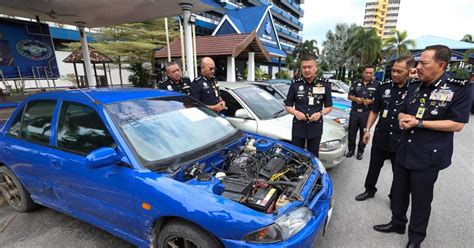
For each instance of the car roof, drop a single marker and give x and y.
(105, 95)
(236, 85)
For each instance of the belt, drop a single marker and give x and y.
(361, 110)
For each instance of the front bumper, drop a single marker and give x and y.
(332, 158)
(320, 205)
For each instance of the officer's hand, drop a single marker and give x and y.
(408, 122)
(315, 116)
(218, 107)
(359, 100)
(367, 102)
(299, 115)
(366, 137)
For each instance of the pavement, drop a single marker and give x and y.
(451, 223)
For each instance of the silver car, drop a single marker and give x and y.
(254, 110)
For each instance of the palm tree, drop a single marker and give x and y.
(398, 45)
(366, 45)
(336, 52)
(467, 38)
(306, 47)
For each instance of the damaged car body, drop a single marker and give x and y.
(159, 169)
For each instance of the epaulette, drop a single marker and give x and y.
(324, 80)
(388, 81)
(198, 78)
(298, 80)
(457, 81)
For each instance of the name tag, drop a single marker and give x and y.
(217, 93)
(420, 112)
(385, 113)
(319, 90)
(311, 100)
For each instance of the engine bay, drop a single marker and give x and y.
(260, 174)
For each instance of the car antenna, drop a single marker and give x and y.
(88, 96)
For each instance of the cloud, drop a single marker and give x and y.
(448, 19)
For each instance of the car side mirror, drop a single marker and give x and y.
(102, 157)
(242, 114)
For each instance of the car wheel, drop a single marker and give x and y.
(178, 234)
(14, 192)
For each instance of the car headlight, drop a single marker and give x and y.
(330, 145)
(284, 227)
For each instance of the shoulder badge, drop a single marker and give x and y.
(457, 81)
(388, 81)
(298, 80)
(323, 80)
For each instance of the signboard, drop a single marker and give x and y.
(266, 32)
(26, 50)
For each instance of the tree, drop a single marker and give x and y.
(467, 38)
(398, 45)
(306, 47)
(365, 45)
(336, 54)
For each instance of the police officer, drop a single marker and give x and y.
(361, 93)
(436, 106)
(389, 97)
(309, 99)
(206, 88)
(175, 81)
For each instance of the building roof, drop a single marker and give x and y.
(96, 57)
(429, 40)
(220, 45)
(247, 19)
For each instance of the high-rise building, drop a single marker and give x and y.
(382, 15)
(286, 14)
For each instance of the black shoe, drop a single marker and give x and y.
(359, 155)
(349, 154)
(413, 245)
(389, 228)
(364, 196)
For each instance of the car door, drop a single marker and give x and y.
(232, 105)
(26, 148)
(101, 195)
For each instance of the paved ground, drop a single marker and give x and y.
(451, 225)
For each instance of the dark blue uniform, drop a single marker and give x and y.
(308, 98)
(424, 152)
(388, 100)
(359, 112)
(206, 90)
(183, 86)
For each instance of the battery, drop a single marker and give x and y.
(263, 199)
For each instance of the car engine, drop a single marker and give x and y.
(260, 174)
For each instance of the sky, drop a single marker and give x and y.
(449, 19)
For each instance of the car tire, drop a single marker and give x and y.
(14, 192)
(176, 233)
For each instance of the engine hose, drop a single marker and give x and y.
(293, 184)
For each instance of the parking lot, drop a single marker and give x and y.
(451, 223)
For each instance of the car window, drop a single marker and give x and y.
(16, 125)
(232, 105)
(283, 88)
(81, 130)
(36, 121)
(264, 105)
(335, 87)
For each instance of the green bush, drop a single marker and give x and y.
(140, 76)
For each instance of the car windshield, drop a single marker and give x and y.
(344, 86)
(162, 129)
(264, 105)
(283, 88)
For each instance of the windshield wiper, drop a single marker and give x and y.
(278, 112)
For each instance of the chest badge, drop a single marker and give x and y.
(169, 88)
(301, 88)
(386, 93)
(204, 84)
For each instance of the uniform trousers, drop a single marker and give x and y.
(420, 185)
(312, 144)
(377, 159)
(357, 122)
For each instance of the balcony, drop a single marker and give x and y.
(293, 6)
(285, 33)
(259, 2)
(287, 18)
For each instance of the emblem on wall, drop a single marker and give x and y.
(34, 49)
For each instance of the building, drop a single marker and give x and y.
(286, 14)
(382, 15)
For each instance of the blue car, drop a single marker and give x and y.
(157, 168)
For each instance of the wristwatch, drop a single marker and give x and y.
(420, 124)
(366, 129)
